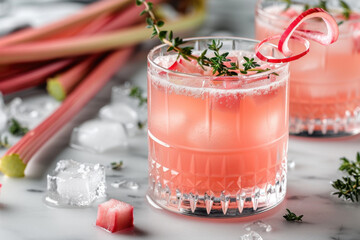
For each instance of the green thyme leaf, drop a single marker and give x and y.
(346, 9)
(138, 93)
(116, 165)
(348, 187)
(216, 63)
(292, 217)
(16, 128)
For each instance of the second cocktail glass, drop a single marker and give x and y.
(217, 145)
(325, 84)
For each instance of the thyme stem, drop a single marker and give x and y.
(217, 63)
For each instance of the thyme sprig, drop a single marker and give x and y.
(138, 93)
(349, 186)
(16, 128)
(292, 217)
(216, 63)
(117, 165)
(346, 9)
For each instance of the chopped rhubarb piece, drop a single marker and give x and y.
(115, 216)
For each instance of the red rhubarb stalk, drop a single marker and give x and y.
(125, 18)
(90, 28)
(301, 36)
(59, 87)
(32, 78)
(326, 39)
(94, 44)
(14, 161)
(82, 17)
(7, 71)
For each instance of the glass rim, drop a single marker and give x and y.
(281, 66)
(261, 11)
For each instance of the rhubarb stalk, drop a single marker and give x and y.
(95, 44)
(13, 163)
(33, 77)
(88, 13)
(60, 86)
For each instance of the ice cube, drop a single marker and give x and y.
(124, 114)
(121, 94)
(251, 236)
(126, 183)
(75, 184)
(3, 114)
(291, 164)
(98, 136)
(258, 226)
(3, 120)
(119, 112)
(33, 113)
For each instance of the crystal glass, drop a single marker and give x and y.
(325, 84)
(217, 145)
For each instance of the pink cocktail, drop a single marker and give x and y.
(217, 145)
(325, 84)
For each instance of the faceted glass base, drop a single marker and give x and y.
(246, 203)
(326, 127)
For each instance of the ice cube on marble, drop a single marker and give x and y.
(31, 114)
(291, 164)
(75, 184)
(251, 236)
(121, 94)
(258, 226)
(99, 136)
(121, 113)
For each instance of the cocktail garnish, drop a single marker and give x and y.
(292, 217)
(325, 39)
(216, 63)
(304, 41)
(349, 186)
(291, 33)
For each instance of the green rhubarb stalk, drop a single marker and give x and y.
(88, 13)
(95, 44)
(60, 86)
(14, 162)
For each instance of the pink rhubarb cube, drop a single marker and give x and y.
(114, 215)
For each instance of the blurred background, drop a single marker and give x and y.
(230, 17)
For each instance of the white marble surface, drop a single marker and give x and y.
(23, 215)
